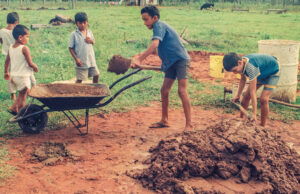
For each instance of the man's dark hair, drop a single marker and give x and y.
(230, 60)
(12, 17)
(19, 30)
(81, 17)
(151, 10)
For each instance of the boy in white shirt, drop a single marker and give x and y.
(7, 39)
(19, 62)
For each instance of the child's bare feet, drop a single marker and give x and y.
(159, 125)
(13, 96)
(189, 128)
(12, 111)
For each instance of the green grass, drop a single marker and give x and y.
(223, 31)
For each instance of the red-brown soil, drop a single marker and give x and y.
(117, 143)
(118, 64)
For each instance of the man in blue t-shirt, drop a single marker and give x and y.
(175, 63)
(261, 70)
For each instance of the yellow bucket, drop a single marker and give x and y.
(216, 69)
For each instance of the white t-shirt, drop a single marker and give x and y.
(7, 39)
(19, 65)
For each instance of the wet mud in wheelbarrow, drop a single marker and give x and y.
(69, 96)
(64, 98)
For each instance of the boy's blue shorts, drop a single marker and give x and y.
(269, 83)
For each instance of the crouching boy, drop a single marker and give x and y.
(262, 70)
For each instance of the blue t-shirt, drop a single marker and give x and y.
(170, 49)
(260, 66)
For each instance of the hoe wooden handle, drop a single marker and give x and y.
(244, 111)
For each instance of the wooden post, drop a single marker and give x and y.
(73, 4)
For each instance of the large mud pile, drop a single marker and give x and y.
(230, 149)
(118, 64)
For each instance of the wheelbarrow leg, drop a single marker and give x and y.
(78, 125)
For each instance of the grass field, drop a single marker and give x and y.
(222, 31)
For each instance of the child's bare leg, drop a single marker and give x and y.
(245, 101)
(21, 100)
(13, 96)
(264, 103)
(14, 107)
(165, 91)
(78, 81)
(182, 92)
(95, 79)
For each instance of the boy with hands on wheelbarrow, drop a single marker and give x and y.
(19, 61)
(175, 63)
(262, 70)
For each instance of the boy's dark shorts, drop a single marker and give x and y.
(269, 83)
(178, 70)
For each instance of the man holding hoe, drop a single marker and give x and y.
(175, 63)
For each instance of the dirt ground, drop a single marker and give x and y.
(116, 143)
(62, 161)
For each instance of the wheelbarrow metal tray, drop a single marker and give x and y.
(69, 96)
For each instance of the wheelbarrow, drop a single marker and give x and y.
(33, 118)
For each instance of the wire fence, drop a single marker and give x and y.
(31, 4)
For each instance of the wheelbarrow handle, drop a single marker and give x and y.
(124, 77)
(121, 90)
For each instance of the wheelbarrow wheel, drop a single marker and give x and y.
(32, 124)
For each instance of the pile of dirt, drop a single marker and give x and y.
(50, 153)
(118, 64)
(230, 149)
(69, 90)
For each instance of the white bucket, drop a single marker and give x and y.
(287, 52)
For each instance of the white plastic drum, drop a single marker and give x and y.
(287, 52)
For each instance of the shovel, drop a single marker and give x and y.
(119, 64)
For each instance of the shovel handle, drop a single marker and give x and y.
(150, 67)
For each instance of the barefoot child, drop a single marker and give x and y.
(262, 70)
(175, 63)
(19, 62)
(81, 48)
